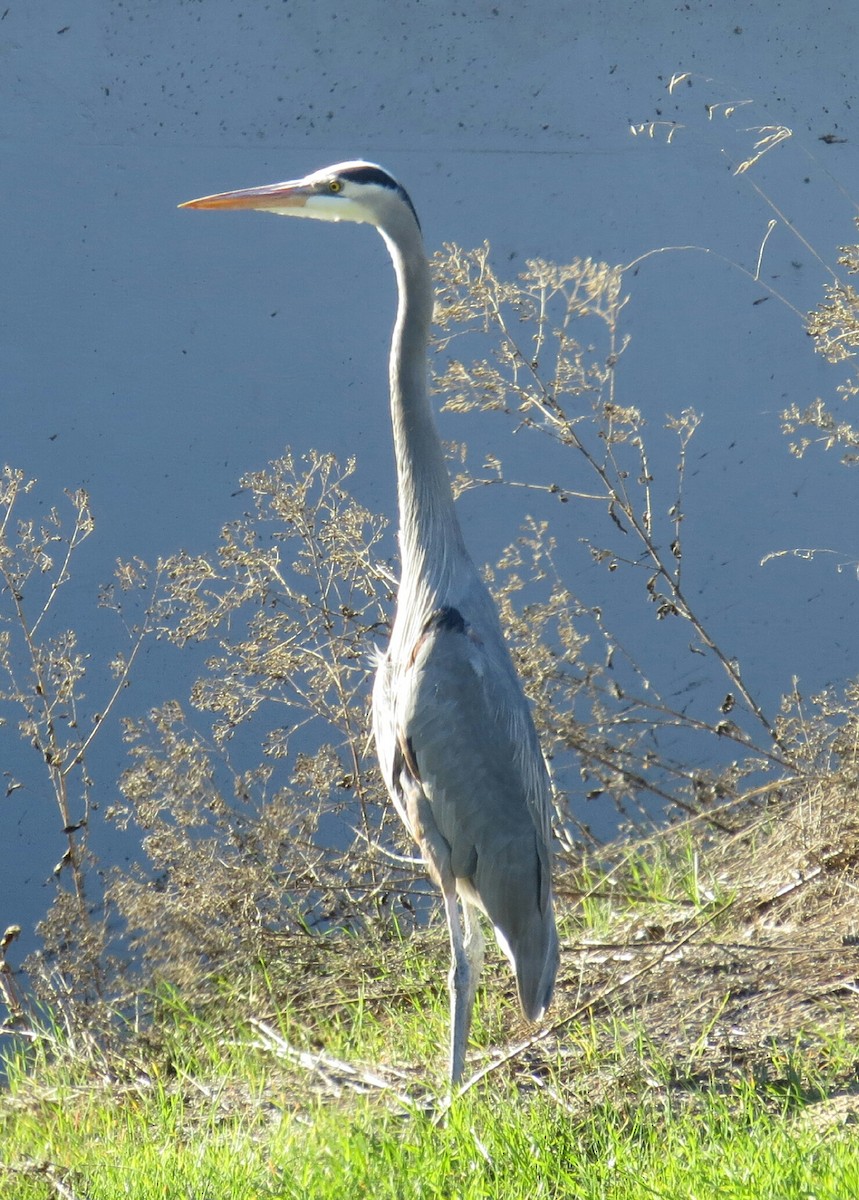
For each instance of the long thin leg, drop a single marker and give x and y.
(466, 964)
(466, 948)
(460, 987)
(474, 945)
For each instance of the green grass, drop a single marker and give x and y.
(657, 880)
(662, 1088)
(200, 1109)
(502, 1143)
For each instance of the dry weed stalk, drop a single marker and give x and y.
(834, 325)
(43, 671)
(540, 374)
(260, 805)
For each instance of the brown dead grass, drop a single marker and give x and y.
(705, 997)
(756, 985)
(756, 982)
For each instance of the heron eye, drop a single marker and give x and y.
(334, 185)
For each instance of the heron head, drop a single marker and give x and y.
(350, 191)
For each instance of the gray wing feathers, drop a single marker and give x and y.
(463, 760)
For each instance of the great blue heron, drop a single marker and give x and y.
(456, 743)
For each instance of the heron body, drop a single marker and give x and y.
(454, 734)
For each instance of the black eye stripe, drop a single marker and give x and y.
(381, 178)
(370, 174)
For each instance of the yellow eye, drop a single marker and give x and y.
(334, 185)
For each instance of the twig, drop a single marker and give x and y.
(788, 889)
(44, 1170)
(62, 1189)
(359, 1078)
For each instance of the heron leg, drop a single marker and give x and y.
(466, 948)
(466, 937)
(474, 945)
(459, 986)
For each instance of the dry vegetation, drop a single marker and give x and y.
(711, 946)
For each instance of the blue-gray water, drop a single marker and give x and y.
(153, 356)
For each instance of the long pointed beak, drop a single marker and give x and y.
(273, 197)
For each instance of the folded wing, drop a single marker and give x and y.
(464, 767)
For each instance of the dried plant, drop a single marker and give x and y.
(43, 671)
(261, 803)
(834, 325)
(555, 345)
(271, 819)
(262, 813)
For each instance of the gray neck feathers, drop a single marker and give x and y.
(430, 537)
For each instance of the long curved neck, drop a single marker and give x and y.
(430, 536)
